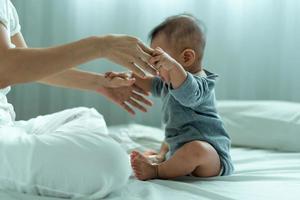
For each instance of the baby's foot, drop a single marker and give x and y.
(154, 157)
(142, 168)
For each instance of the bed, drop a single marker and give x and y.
(259, 174)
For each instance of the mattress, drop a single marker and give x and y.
(259, 174)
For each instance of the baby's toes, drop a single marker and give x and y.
(134, 153)
(139, 176)
(134, 164)
(137, 173)
(132, 156)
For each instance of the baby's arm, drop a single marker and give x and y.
(193, 91)
(186, 89)
(169, 68)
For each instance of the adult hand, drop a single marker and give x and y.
(116, 80)
(127, 97)
(129, 52)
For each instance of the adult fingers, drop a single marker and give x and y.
(127, 108)
(140, 90)
(136, 105)
(145, 66)
(143, 55)
(145, 48)
(146, 56)
(141, 99)
(136, 69)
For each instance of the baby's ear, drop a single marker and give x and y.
(188, 57)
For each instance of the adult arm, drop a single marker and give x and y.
(21, 65)
(127, 97)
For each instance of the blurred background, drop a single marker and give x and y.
(254, 45)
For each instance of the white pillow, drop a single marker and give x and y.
(262, 124)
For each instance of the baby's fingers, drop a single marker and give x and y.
(157, 51)
(125, 75)
(149, 153)
(111, 75)
(120, 82)
(107, 74)
(154, 60)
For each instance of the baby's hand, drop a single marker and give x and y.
(164, 63)
(116, 79)
(154, 157)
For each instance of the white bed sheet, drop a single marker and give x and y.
(259, 174)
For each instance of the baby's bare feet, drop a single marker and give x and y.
(142, 168)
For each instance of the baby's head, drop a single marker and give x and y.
(182, 37)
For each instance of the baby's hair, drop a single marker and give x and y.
(183, 31)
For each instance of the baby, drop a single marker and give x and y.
(196, 142)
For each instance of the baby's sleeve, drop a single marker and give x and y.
(193, 91)
(156, 86)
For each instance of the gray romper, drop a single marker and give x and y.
(189, 113)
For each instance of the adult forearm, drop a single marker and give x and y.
(22, 65)
(76, 79)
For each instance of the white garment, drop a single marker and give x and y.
(66, 154)
(9, 18)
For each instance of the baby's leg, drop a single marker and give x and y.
(197, 157)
